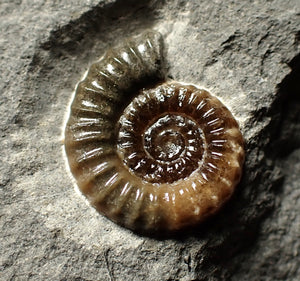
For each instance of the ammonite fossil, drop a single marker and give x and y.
(148, 153)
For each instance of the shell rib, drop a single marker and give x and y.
(151, 155)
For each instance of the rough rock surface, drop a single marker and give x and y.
(245, 52)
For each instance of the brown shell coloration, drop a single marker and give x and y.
(150, 158)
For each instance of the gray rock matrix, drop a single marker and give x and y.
(245, 52)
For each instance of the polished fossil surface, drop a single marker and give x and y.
(150, 154)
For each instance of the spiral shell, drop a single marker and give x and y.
(151, 155)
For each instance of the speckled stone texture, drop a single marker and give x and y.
(245, 52)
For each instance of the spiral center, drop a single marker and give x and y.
(166, 146)
(164, 149)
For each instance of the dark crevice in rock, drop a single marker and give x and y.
(287, 136)
(96, 24)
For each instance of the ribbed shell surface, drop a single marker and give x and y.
(151, 155)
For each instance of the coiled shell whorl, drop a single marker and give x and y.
(151, 155)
